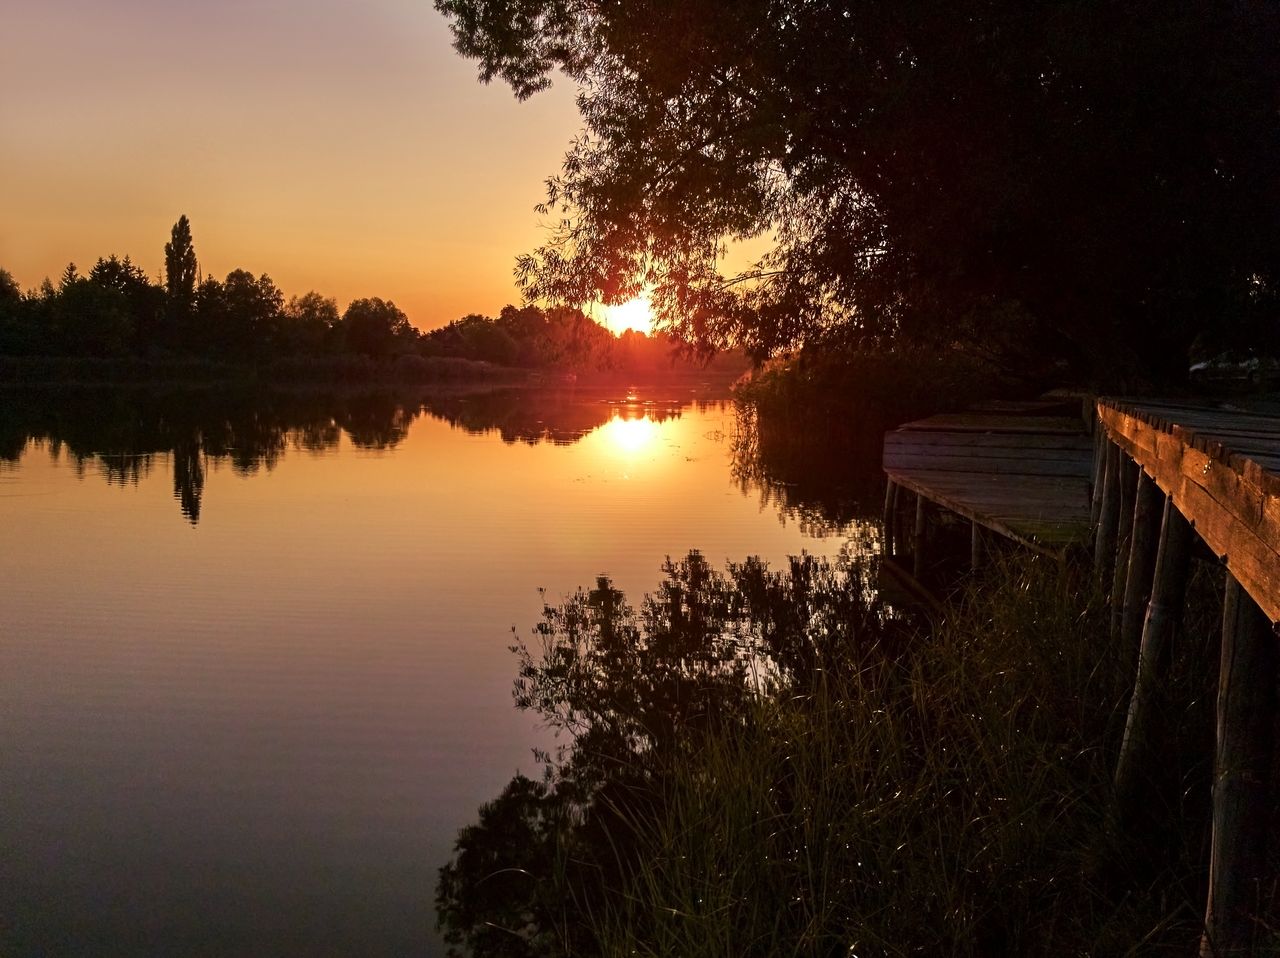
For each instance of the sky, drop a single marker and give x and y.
(335, 146)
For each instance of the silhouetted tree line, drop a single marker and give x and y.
(116, 310)
(561, 337)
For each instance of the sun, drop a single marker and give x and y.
(633, 314)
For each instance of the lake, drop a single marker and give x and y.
(254, 649)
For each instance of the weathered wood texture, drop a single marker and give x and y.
(1242, 776)
(1221, 467)
(996, 423)
(1104, 540)
(1143, 542)
(1148, 704)
(1026, 477)
(1128, 490)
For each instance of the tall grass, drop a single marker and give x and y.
(952, 799)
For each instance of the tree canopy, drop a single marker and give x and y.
(1083, 182)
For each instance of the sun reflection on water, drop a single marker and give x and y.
(630, 435)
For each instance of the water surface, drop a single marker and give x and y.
(254, 650)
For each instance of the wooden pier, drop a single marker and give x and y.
(1021, 470)
(1140, 482)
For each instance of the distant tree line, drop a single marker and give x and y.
(560, 337)
(116, 310)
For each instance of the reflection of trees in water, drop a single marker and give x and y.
(559, 416)
(823, 474)
(119, 433)
(635, 690)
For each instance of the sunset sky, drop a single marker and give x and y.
(335, 146)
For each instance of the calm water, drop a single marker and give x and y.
(254, 653)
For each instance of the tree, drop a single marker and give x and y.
(180, 268)
(251, 308)
(377, 328)
(16, 330)
(91, 320)
(1091, 182)
(310, 324)
(143, 300)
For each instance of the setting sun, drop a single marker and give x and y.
(633, 314)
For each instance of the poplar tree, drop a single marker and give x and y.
(180, 274)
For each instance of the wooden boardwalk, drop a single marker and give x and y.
(1156, 476)
(1220, 464)
(1022, 474)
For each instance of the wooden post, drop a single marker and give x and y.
(1124, 536)
(1100, 443)
(975, 546)
(1104, 543)
(1143, 542)
(917, 540)
(1164, 615)
(1242, 772)
(890, 500)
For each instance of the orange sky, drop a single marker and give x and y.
(335, 146)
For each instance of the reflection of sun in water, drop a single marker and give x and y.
(631, 435)
(633, 314)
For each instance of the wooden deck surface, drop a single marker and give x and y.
(1022, 474)
(1220, 463)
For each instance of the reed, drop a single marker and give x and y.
(949, 799)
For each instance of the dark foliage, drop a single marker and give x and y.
(1087, 183)
(635, 690)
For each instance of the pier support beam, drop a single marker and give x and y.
(918, 538)
(1128, 475)
(1100, 444)
(1104, 543)
(1144, 539)
(1242, 771)
(890, 516)
(976, 546)
(1146, 707)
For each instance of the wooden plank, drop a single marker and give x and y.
(1080, 457)
(987, 452)
(1027, 407)
(958, 506)
(973, 422)
(1010, 466)
(1003, 440)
